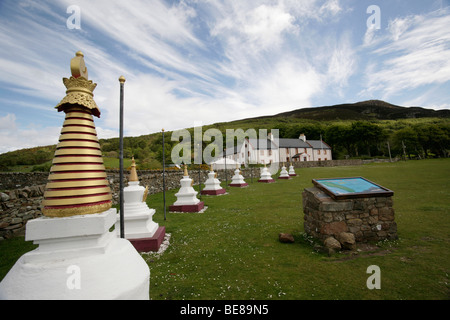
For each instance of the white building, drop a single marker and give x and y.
(265, 151)
(262, 151)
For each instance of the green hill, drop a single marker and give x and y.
(360, 129)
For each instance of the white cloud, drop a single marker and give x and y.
(415, 52)
(209, 60)
(8, 122)
(16, 137)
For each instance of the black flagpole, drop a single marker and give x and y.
(164, 174)
(122, 225)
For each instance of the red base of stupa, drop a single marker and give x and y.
(239, 185)
(284, 178)
(149, 244)
(213, 192)
(187, 207)
(266, 180)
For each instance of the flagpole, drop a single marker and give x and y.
(164, 175)
(122, 226)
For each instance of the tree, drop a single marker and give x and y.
(366, 135)
(406, 137)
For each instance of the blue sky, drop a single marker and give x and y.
(212, 61)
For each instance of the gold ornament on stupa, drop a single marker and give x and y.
(133, 172)
(77, 183)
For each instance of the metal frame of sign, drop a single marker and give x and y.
(384, 193)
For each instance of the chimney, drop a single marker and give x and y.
(302, 137)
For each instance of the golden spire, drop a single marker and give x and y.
(133, 173)
(77, 183)
(185, 171)
(79, 88)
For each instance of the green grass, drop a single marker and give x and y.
(231, 251)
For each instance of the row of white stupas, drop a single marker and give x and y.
(187, 200)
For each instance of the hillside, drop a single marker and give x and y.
(364, 110)
(425, 132)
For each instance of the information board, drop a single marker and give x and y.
(352, 187)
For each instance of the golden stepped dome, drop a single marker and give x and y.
(77, 183)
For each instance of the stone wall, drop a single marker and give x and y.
(17, 207)
(336, 163)
(18, 180)
(366, 219)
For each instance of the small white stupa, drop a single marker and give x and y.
(238, 180)
(292, 171)
(212, 185)
(187, 200)
(284, 174)
(265, 175)
(145, 234)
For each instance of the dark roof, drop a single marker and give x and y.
(292, 143)
(262, 144)
(318, 144)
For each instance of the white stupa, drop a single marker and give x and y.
(265, 176)
(284, 174)
(145, 234)
(187, 200)
(212, 185)
(292, 171)
(78, 257)
(238, 180)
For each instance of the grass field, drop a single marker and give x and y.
(231, 251)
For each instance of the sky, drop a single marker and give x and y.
(201, 62)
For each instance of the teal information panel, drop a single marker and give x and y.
(354, 187)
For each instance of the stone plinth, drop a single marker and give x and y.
(368, 219)
(77, 258)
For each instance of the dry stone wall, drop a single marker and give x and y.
(21, 201)
(17, 207)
